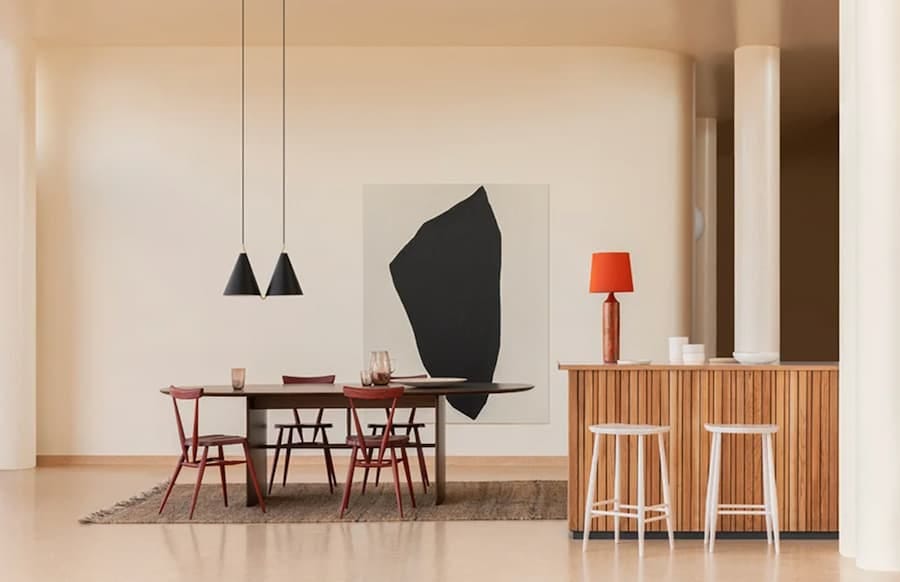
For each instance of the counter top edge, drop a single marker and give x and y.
(810, 366)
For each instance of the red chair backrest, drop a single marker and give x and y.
(308, 379)
(391, 395)
(187, 394)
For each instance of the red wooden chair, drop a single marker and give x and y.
(368, 445)
(298, 425)
(190, 446)
(411, 427)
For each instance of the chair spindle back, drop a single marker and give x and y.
(193, 394)
(391, 395)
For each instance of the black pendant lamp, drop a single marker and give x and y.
(284, 280)
(242, 280)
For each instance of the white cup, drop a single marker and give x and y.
(676, 345)
(694, 353)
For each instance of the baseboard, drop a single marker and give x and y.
(560, 462)
(698, 535)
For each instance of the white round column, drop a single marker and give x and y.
(757, 216)
(17, 238)
(877, 93)
(848, 285)
(703, 324)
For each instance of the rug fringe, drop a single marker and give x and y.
(100, 515)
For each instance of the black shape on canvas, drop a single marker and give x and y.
(448, 279)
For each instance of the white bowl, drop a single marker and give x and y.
(694, 359)
(693, 348)
(756, 357)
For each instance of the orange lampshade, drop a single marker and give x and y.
(611, 272)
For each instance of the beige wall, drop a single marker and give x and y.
(138, 212)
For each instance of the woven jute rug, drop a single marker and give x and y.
(312, 503)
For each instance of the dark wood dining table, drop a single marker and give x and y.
(259, 399)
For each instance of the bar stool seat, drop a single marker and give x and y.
(627, 429)
(638, 512)
(742, 428)
(769, 507)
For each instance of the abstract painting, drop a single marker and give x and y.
(456, 284)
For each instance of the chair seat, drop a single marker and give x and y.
(398, 425)
(304, 425)
(375, 441)
(211, 440)
(628, 429)
(742, 428)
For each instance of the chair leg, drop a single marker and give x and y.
(171, 484)
(329, 462)
(287, 456)
(346, 497)
(200, 471)
(423, 469)
(667, 497)
(709, 488)
(253, 480)
(714, 501)
(222, 475)
(275, 462)
(640, 495)
(318, 422)
(377, 469)
(767, 502)
(396, 481)
(405, 459)
(617, 488)
(773, 495)
(367, 455)
(589, 500)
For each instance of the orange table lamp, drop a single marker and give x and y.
(611, 273)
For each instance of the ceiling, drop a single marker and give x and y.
(708, 30)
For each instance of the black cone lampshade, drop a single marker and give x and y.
(284, 280)
(242, 280)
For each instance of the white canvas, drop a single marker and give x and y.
(391, 216)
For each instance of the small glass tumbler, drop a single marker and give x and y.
(238, 377)
(365, 377)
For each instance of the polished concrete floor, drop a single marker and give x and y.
(41, 540)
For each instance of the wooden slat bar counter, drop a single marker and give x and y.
(802, 399)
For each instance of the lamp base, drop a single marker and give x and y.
(610, 330)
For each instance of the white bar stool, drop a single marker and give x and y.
(769, 508)
(592, 509)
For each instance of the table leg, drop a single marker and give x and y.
(257, 424)
(440, 458)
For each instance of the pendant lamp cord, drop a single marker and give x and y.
(243, 121)
(283, 124)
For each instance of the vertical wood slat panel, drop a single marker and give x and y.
(803, 454)
(834, 480)
(802, 403)
(652, 400)
(781, 389)
(586, 455)
(738, 458)
(577, 425)
(706, 398)
(815, 453)
(609, 412)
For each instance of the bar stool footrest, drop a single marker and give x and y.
(599, 512)
(657, 507)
